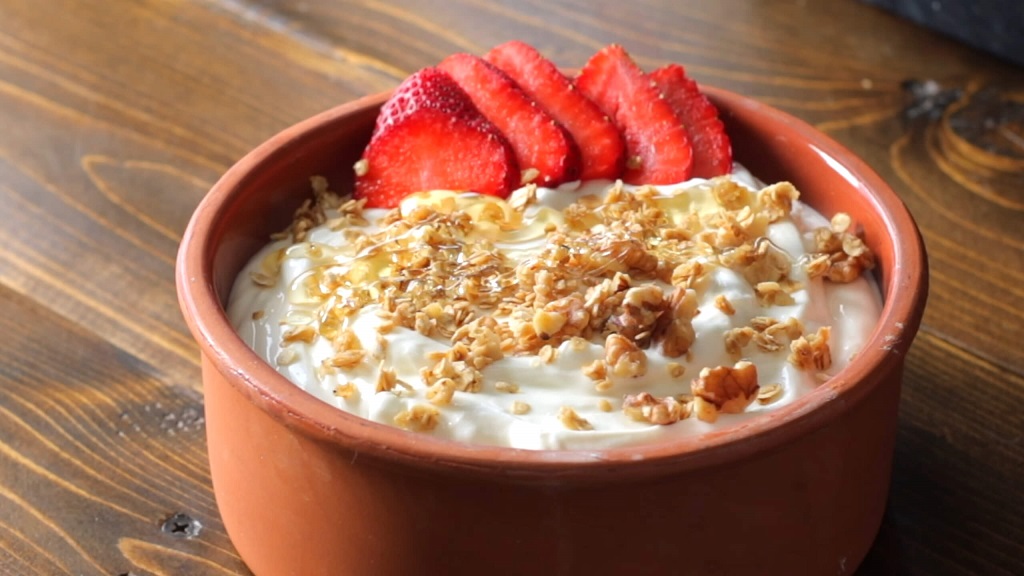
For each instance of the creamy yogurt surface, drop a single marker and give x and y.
(566, 394)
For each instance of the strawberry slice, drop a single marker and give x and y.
(601, 147)
(712, 151)
(540, 142)
(657, 146)
(430, 136)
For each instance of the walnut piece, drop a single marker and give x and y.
(675, 327)
(636, 319)
(623, 357)
(724, 389)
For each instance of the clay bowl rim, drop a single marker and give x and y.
(294, 408)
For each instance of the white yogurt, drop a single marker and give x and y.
(262, 314)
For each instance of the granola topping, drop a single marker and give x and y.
(587, 318)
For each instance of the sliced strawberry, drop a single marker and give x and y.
(430, 136)
(712, 151)
(657, 146)
(601, 147)
(540, 142)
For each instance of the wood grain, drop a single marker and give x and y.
(116, 117)
(97, 453)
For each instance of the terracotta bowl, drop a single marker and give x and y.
(307, 489)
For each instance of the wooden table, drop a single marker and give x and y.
(116, 117)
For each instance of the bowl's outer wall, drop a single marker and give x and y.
(296, 502)
(301, 506)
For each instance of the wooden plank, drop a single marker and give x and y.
(96, 452)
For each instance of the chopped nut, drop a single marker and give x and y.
(675, 327)
(737, 338)
(561, 319)
(604, 405)
(724, 389)
(812, 351)
(519, 408)
(573, 421)
(419, 418)
(636, 319)
(546, 324)
(624, 357)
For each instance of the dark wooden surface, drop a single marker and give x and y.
(117, 116)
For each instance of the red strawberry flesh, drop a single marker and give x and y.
(657, 145)
(600, 143)
(712, 151)
(539, 141)
(429, 136)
